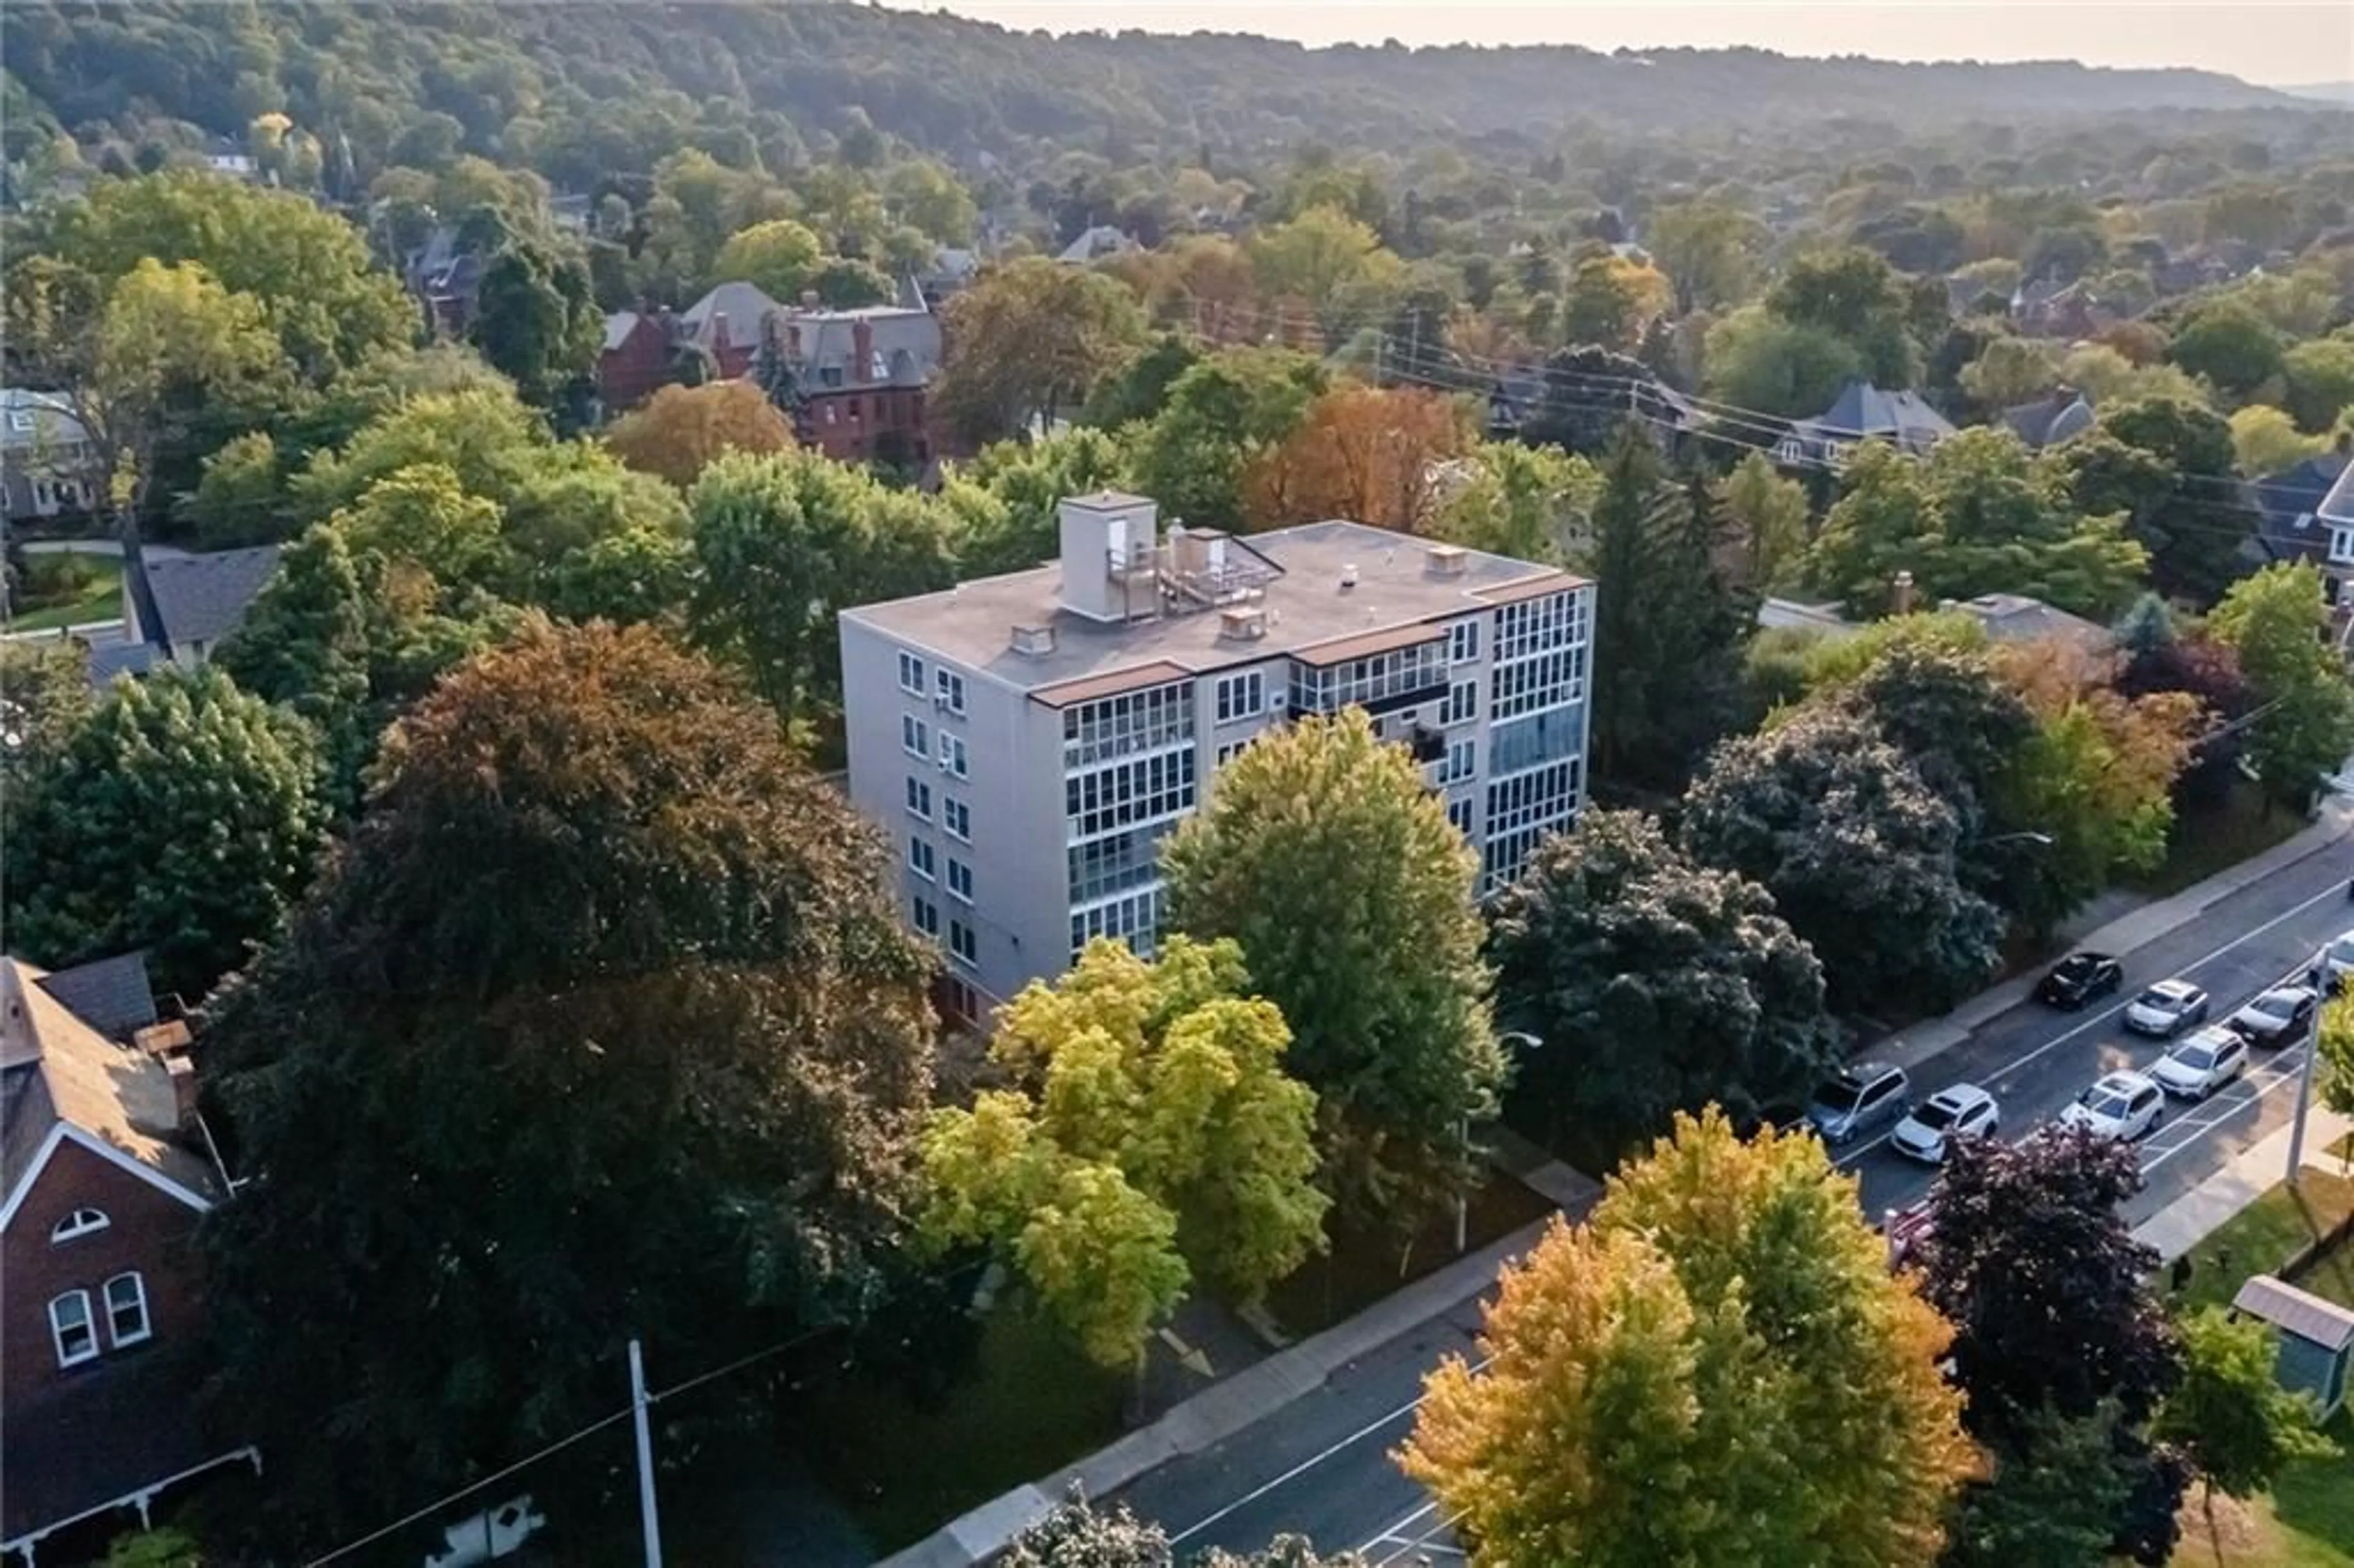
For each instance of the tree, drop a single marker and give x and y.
(1323, 856)
(2164, 465)
(1027, 338)
(1763, 516)
(2335, 1040)
(182, 817)
(777, 257)
(1609, 300)
(2266, 442)
(1668, 635)
(1009, 495)
(1860, 854)
(2230, 1414)
(928, 196)
(1789, 370)
(2011, 371)
(850, 284)
(1361, 453)
(1656, 984)
(44, 698)
(607, 986)
(782, 543)
(680, 430)
(535, 318)
(1705, 249)
(1530, 503)
(1157, 1090)
(2053, 1501)
(1659, 1370)
(1140, 390)
(1221, 415)
(2228, 344)
(2320, 377)
(1322, 258)
(2302, 728)
(1078, 1536)
(1855, 296)
(2160, 657)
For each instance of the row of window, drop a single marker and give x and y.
(1536, 625)
(1539, 794)
(1144, 791)
(1241, 696)
(915, 740)
(1365, 681)
(1114, 864)
(1548, 681)
(1135, 919)
(964, 942)
(1112, 727)
(1539, 738)
(946, 690)
(74, 1327)
(956, 816)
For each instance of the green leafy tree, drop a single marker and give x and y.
(1791, 370)
(2266, 440)
(2164, 464)
(2011, 371)
(1157, 1090)
(2320, 377)
(2227, 343)
(1077, 1535)
(607, 986)
(1140, 389)
(1222, 415)
(1705, 247)
(2302, 727)
(1656, 984)
(2053, 1501)
(777, 257)
(1323, 855)
(1661, 1370)
(1856, 296)
(2336, 1043)
(484, 435)
(2230, 1414)
(535, 317)
(1861, 855)
(1668, 636)
(782, 543)
(44, 698)
(1010, 491)
(850, 284)
(1027, 338)
(1324, 259)
(1533, 503)
(240, 499)
(1763, 516)
(922, 193)
(182, 817)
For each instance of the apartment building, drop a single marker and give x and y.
(1030, 739)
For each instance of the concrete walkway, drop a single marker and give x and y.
(2253, 1171)
(2136, 928)
(1250, 1395)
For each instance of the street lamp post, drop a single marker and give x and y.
(1526, 1042)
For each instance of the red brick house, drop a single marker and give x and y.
(636, 358)
(107, 1172)
(864, 379)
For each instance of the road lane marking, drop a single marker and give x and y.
(1301, 1468)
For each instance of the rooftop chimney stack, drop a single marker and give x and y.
(862, 350)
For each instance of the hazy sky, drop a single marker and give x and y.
(2273, 41)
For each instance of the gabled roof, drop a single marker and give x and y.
(1103, 240)
(108, 660)
(113, 995)
(2017, 618)
(617, 328)
(203, 598)
(743, 306)
(2338, 507)
(2051, 420)
(2289, 506)
(2298, 1312)
(903, 345)
(1862, 412)
(33, 418)
(60, 1077)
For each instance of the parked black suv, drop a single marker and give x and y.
(2080, 978)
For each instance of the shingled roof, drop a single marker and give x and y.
(199, 599)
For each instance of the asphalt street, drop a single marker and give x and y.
(1324, 1469)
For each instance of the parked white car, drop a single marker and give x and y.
(2166, 1009)
(2122, 1105)
(1959, 1110)
(2338, 961)
(2203, 1063)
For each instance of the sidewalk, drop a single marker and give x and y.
(2141, 927)
(1250, 1395)
(2253, 1171)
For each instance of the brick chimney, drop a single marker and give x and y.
(862, 350)
(184, 1090)
(1900, 593)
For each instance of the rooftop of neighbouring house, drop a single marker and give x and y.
(1398, 598)
(202, 598)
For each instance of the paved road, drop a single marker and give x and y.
(1324, 1470)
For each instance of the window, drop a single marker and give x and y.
(1462, 761)
(957, 816)
(1112, 727)
(1134, 919)
(1129, 795)
(1102, 867)
(1462, 702)
(911, 674)
(951, 692)
(126, 1310)
(952, 755)
(69, 1326)
(1233, 749)
(920, 799)
(915, 735)
(2341, 545)
(963, 943)
(81, 1223)
(20, 420)
(959, 879)
(927, 915)
(1241, 696)
(1539, 625)
(1405, 674)
(919, 860)
(1459, 813)
(1549, 681)
(1462, 641)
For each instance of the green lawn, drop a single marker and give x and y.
(1031, 1405)
(2205, 842)
(102, 601)
(2307, 1521)
(2267, 1233)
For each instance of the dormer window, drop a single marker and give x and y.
(2341, 545)
(81, 1223)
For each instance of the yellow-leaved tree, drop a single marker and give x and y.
(1718, 1363)
(1150, 1137)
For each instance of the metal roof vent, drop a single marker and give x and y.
(1033, 641)
(1443, 560)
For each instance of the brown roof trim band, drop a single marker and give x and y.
(1537, 587)
(1111, 684)
(1365, 644)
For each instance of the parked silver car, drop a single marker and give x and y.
(2166, 1009)
(1864, 1095)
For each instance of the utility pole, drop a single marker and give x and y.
(639, 1404)
(2303, 1095)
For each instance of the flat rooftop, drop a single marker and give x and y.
(972, 624)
